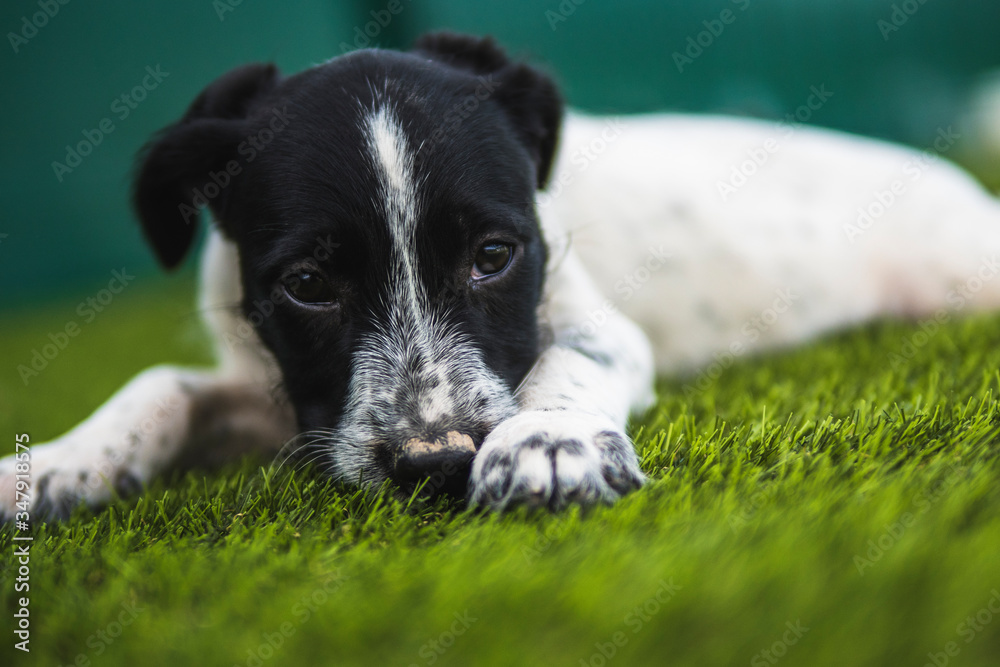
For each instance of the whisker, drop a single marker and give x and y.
(295, 448)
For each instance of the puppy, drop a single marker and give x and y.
(388, 294)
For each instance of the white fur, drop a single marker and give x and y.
(393, 161)
(655, 185)
(552, 458)
(238, 349)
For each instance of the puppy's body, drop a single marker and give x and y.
(514, 381)
(817, 230)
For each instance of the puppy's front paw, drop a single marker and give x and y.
(62, 474)
(553, 459)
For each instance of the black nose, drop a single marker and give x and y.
(444, 462)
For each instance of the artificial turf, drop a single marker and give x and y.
(835, 504)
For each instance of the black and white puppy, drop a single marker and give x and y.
(380, 256)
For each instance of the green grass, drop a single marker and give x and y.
(767, 493)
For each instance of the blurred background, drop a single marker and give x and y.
(900, 70)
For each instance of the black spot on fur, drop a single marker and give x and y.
(610, 440)
(599, 357)
(126, 484)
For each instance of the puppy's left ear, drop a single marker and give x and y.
(529, 96)
(179, 160)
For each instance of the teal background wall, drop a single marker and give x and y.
(60, 239)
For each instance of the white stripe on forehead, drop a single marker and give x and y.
(393, 163)
(388, 144)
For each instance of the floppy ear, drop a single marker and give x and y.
(530, 97)
(180, 157)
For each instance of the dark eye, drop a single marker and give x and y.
(308, 287)
(491, 259)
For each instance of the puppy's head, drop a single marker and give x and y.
(382, 204)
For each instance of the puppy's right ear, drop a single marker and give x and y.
(179, 159)
(528, 95)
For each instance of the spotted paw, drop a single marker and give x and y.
(553, 459)
(61, 475)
